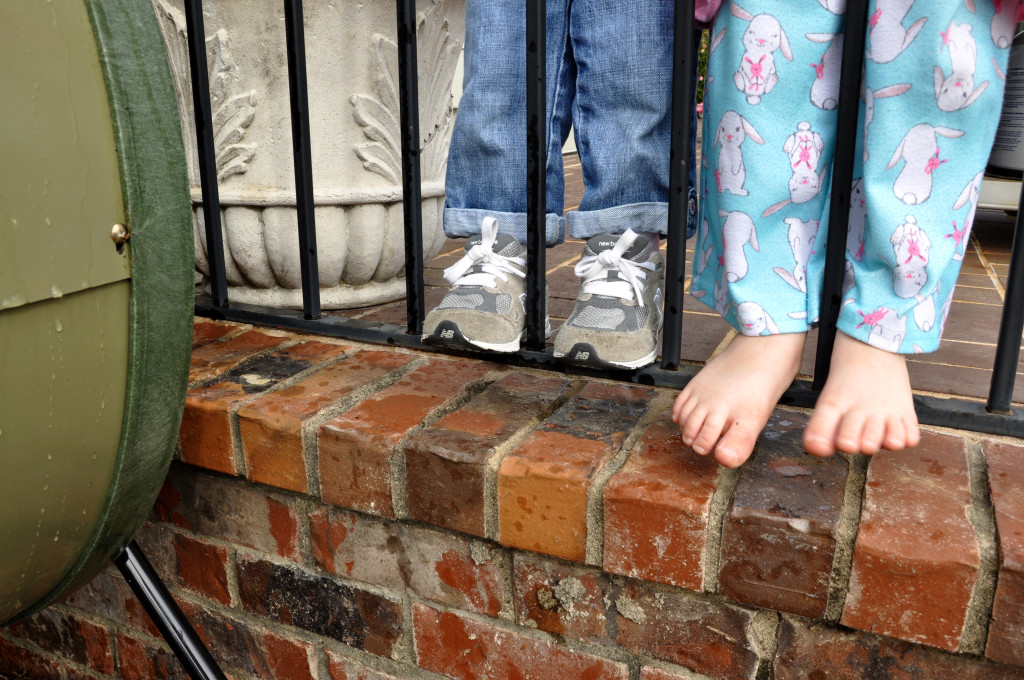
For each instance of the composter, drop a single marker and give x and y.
(95, 288)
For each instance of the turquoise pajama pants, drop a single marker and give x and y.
(930, 103)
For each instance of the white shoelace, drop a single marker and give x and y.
(494, 266)
(593, 269)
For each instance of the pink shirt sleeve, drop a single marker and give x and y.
(704, 12)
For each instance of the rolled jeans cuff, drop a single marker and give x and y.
(465, 222)
(648, 218)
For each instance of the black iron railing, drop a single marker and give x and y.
(995, 417)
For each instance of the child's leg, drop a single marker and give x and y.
(768, 143)
(931, 110)
(622, 119)
(486, 175)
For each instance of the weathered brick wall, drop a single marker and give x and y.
(345, 512)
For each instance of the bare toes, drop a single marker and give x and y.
(709, 433)
(874, 434)
(736, 445)
(849, 433)
(692, 425)
(819, 437)
(895, 434)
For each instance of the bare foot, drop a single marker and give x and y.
(866, 404)
(725, 407)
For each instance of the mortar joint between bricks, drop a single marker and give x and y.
(595, 496)
(237, 453)
(765, 627)
(501, 451)
(846, 537)
(981, 515)
(397, 463)
(311, 426)
(721, 500)
(304, 508)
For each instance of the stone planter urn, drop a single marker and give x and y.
(352, 65)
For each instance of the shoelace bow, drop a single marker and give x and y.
(491, 264)
(593, 269)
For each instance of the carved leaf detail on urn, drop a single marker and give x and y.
(233, 113)
(378, 115)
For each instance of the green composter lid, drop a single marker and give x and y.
(94, 335)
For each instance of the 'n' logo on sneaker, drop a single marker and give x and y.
(582, 356)
(447, 334)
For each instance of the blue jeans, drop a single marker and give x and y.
(609, 77)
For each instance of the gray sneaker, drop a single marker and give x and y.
(618, 312)
(484, 308)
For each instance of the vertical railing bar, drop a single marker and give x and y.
(207, 152)
(536, 168)
(683, 58)
(1004, 372)
(408, 86)
(842, 179)
(299, 96)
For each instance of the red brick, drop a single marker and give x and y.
(205, 436)
(563, 600)
(656, 510)
(1006, 479)
(271, 426)
(809, 651)
(427, 563)
(650, 673)
(465, 649)
(916, 558)
(779, 536)
(108, 596)
(65, 634)
(251, 649)
(679, 627)
(211, 360)
(356, 448)
(341, 668)
(353, 616)
(227, 510)
(140, 660)
(203, 568)
(205, 331)
(543, 485)
(17, 663)
(446, 463)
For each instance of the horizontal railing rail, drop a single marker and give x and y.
(996, 416)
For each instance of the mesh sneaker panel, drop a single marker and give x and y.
(599, 318)
(456, 301)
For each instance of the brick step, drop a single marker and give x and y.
(460, 518)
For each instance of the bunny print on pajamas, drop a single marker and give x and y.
(801, 240)
(888, 37)
(757, 75)
(804, 148)
(911, 247)
(957, 91)
(920, 150)
(738, 230)
(731, 173)
(929, 96)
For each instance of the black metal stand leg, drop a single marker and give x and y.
(166, 614)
